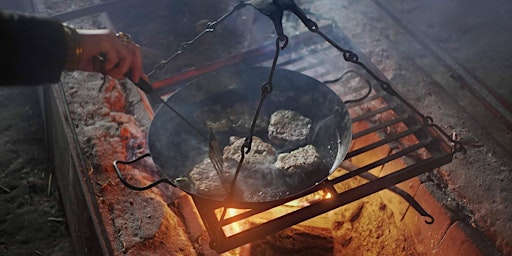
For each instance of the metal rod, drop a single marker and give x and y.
(373, 113)
(326, 205)
(381, 161)
(380, 126)
(382, 142)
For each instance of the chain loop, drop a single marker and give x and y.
(275, 14)
(266, 89)
(210, 27)
(351, 57)
(284, 40)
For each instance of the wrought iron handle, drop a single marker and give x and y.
(133, 187)
(142, 84)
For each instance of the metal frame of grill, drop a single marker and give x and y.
(420, 129)
(432, 138)
(429, 136)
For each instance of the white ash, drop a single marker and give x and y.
(288, 128)
(301, 160)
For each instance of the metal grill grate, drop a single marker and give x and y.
(386, 129)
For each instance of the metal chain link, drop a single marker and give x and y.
(266, 89)
(352, 57)
(210, 27)
(274, 12)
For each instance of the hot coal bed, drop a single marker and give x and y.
(380, 200)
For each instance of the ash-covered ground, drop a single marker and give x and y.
(32, 220)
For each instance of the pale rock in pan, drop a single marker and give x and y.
(288, 128)
(239, 117)
(206, 181)
(261, 156)
(257, 170)
(302, 160)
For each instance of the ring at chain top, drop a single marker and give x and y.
(124, 37)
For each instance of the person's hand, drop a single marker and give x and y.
(104, 52)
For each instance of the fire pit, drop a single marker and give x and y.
(396, 124)
(393, 142)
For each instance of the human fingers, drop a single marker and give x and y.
(136, 63)
(118, 57)
(101, 51)
(109, 54)
(129, 59)
(117, 64)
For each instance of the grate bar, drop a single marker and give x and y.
(383, 141)
(296, 60)
(374, 113)
(324, 206)
(381, 126)
(382, 161)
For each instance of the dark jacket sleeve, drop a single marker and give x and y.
(33, 50)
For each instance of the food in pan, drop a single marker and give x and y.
(205, 180)
(238, 117)
(259, 160)
(261, 156)
(288, 128)
(301, 160)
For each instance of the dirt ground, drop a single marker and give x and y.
(32, 220)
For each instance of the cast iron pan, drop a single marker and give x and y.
(176, 148)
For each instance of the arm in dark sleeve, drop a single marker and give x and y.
(33, 50)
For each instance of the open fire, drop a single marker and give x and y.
(375, 121)
(393, 143)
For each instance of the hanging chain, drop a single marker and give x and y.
(210, 27)
(274, 10)
(266, 89)
(352, 57)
